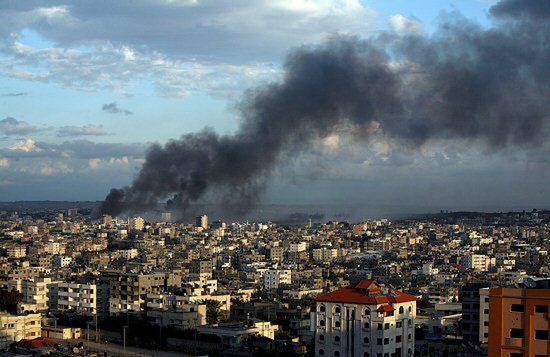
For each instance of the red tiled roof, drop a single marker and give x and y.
(386, 308)
(36, 343)
(359, 294)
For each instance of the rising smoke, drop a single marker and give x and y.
(461, 82)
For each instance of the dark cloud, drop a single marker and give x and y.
(87, 130)
(538, 9)
(461, 83)
(113, 108)
(12, 126)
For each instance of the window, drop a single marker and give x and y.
(386, 326)
(337, 339)
(366, 354)
(541, 335)
(399, 324)
(322, 322)
(485, 323)
(516, 333)
(336, 353)
(410, 321)
(410, 309)
(322, 308)
(410, 336)
(541, 309)
(516, 354)
(337, 310)
(321, 337)
(367, 312)
(378, 341)
(517, 308)
(486, 311)
(379, 327)
(321, 352)
(398, 338)
(401, 310)
(366, 340)
(336, 323)
(386, 341)
(366, 325)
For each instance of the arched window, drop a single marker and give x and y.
(321, 352)
(322, 322)
(337, 339)
(401, 310)
(321, 337)
(367, 312)
(337, 309)
(366, 325)
(410, 309)
(322, 308)
(337, 324)
(366, 340)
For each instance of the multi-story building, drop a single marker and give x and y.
(35, 293)
(136, 224)
(366, 320)
(273, 278)
(16, 251)
(519, 324)
(298, 247)
(471, 307)
(483, 316)
(276, 253)
(478, 262)
(202, 221)
(85, 299)
(200, 269)
(14, 328)
(127, 291)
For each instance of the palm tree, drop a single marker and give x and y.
(213, 311)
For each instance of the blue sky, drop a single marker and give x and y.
(170, 67)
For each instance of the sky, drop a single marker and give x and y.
(86, 87)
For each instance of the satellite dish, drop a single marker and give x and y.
(76, 350)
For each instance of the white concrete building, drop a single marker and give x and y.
(14, 328)
(35, 293)
(273, 278)
(75, 298)
(478, 262)
(298, 247)
(366, 320)
(484, 315)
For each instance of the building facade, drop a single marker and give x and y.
(519, 324)
(365, 320)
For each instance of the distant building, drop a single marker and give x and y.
(365, 320)
(519, 324)
(274, 278)
(136, 224)
(202, 221)
(478, 262)
(166, 217)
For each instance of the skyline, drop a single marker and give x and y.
(80, 108)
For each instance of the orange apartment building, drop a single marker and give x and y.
(518, 322)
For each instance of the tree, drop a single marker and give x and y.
(9, 300)
(213, 311)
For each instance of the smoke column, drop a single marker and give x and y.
(461, 82)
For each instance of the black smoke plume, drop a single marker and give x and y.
(461, 82)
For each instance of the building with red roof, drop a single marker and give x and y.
(364, 320)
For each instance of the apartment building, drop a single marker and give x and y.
(273, 278)
(477, 262)
(35, 293)
(484, 316)
(85, 299)
(14, 328)
(519, 322)
(366, 320)
(471, 308)
(127, 291)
